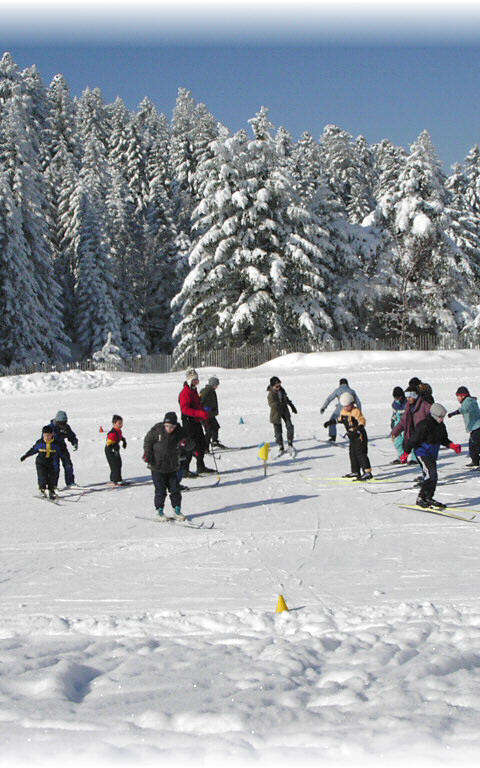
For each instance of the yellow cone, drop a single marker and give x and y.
(263, 452)
(281, 605)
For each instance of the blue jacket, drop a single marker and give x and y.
(45, 453)
(339, 391)
(471, 413)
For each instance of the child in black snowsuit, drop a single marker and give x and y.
(112, 450)
(163, 447)
(63, 431)
(47, 450)
(280, 403)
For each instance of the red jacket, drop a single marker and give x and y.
(412, 416)
(114, 436)
(190, 403)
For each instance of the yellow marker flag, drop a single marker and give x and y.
(263, 452)
(281, 605)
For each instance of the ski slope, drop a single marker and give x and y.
(127, 642)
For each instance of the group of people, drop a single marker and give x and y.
(417, 430)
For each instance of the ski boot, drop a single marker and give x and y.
(396, 461)
(281, 452)
(364, 477)
(205, 470)
(352, 474)
(160, 515)
(418, 481)
(472, 465)
(422, 502)
(218, 444)
(42, 492)
(175, 514)
(332, 439)
(190, 474)
(291, 450)
(52, 495)
(437, 504)
(183, 488)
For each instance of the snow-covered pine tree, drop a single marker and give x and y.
(388, 161)
(258, 271)
(433, 273)
(20, 161)
(127, 264)
(96, 300)
(348, 171)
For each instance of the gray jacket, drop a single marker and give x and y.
(339, 391)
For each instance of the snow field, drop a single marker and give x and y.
(124, 641)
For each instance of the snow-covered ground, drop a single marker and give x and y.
(130, 642)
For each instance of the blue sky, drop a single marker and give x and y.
(372, 86)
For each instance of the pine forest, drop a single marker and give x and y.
(163, 234)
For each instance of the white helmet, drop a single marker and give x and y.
(346, 398)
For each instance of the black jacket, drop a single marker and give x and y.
(209, 399)
(429, 435)
(162, 451)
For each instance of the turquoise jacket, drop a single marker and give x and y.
(471, 413)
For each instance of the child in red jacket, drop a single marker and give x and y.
(112, 450)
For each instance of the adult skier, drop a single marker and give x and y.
(193, 416)
(208, 396)
(280, 404)
(343, 386)
(62, 432)
(163, 446)
(426, 440)
(46, 450)
(416, 410)
(354, 422)
(471, 416)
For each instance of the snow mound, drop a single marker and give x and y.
(55, 381)
(374, 359)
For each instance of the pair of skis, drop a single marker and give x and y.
(182, 523)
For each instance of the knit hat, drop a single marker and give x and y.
(398, 392)
(438, 412)
(61, 416)
(274, 380)
(213, 381)
(411, 393)
(414, 382)
(170, 418)
(463, 391)
(48, 429)
(346, 398)
(190, 375)
(343, 381)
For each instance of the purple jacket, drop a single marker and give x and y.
(413, 415)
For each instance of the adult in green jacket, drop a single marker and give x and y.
(471, 416)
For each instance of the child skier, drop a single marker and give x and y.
(163, 446)
(112, 450)
(398, 409)
(279, 403)
(354, 422)
(47, 450)
(427, 438)
(62, 432)
(332, 422)
(209, 399)
(471, 416)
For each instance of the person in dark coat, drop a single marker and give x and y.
(280, 404)
(112, 450)
(47, 450)
(208, 396)
(63, 431)
(415, 411)
(163, 447)
(429, 435)
(193, 416)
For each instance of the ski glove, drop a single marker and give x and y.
(327, 423)
(404, 457)
(453, 413)
(322, 410)
(75, 446)
(207, 408)
(22, 458)
(294, 410)
(124, 442)
(455, 447)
